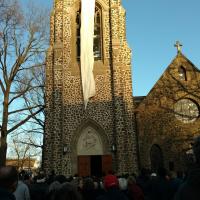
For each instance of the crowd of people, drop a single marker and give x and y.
(162, 185)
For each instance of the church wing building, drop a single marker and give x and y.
(168, 117)
(92, 138)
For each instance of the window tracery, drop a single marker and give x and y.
(97, 47)
(186, 110)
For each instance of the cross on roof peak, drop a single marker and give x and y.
(178, 45)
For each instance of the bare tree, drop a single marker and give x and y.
(22, 151)
(23, 43)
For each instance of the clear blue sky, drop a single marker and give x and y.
(153, 26)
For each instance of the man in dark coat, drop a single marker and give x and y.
(160, 187)
(38, 190)
(8, 182)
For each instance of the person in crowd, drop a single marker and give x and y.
(112, 191)
(80, 184)
(134, 191)
(55, 185)
(53, 188)
(190, 189)
(51, 177)
(39, 188)
(148, 186)
(60, 178)
(22, 173)
(67, 191)
(160, 187)
(22, 190)
(88, 190)
(75, 180)
(8, 182)
(27, 180)
(98, 187)
(123, 183)
(174, 182)
(143, 180)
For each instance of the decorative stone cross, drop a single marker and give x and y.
(178, 45)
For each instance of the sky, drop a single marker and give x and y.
(153, 27)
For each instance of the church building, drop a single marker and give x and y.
(93, 123)
(168, 117)
(89, 135)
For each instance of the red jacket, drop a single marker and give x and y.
(135, 192)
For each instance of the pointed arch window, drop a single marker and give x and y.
(182, 73)
(97, 47)
(156, 157)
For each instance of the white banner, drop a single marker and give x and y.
(87, 57)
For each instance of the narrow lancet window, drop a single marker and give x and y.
(97, 47)
(78, 37)
(97, 34)
(182, 73)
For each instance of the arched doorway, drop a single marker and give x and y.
(156, 157)
(93, 158)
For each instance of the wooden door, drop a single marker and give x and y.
(84, 165)
(106, 163)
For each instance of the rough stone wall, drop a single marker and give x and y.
(112, 106)
(156, 119)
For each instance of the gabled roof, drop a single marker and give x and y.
(183, 56)
(181, 60)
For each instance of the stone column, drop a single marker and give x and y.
(124, 133)
(57, 145)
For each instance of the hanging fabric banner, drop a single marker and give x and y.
(87, 57)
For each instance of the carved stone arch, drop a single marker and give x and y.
(102, 4)
(98, 135)
(94, 125)
(89, 142)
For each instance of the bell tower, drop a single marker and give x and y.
(76, 136)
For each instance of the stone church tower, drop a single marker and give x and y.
(102, 136)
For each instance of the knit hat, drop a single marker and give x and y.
(110, 181)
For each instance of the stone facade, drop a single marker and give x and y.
(109, 114)
(160, 126)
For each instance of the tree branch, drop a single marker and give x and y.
(31, 144)
(2, 87)
(24, 121)
(24, 109)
